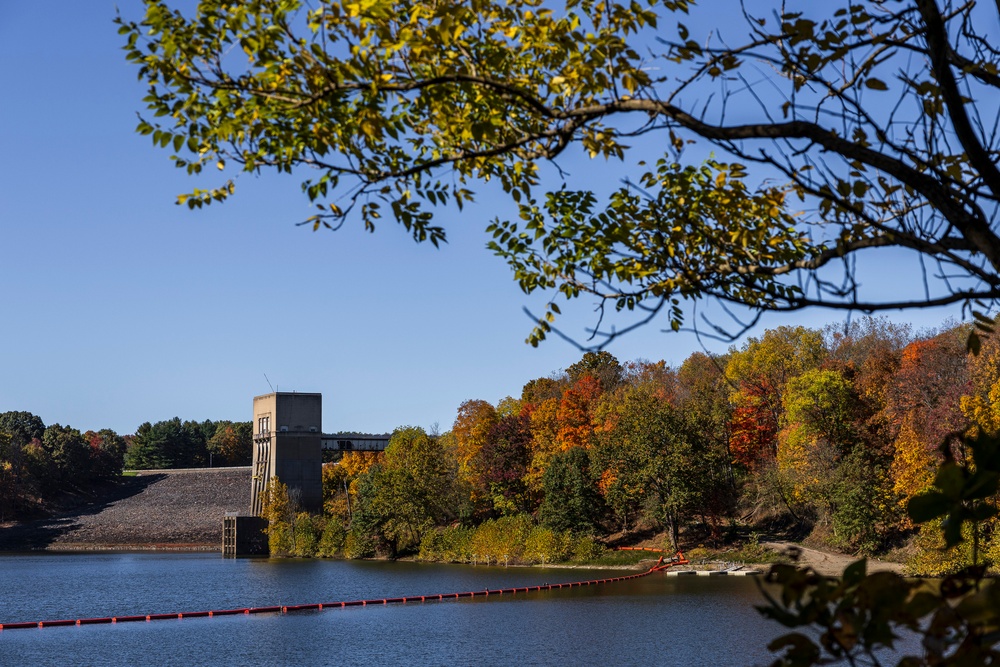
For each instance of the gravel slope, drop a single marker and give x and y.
(162, 509)
(829, 563)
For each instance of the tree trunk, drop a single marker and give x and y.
(674, 529)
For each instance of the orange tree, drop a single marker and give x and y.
(574, 415)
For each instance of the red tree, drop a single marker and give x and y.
(753, 428)
(574, 413)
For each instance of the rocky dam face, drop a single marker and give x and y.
(156, 509)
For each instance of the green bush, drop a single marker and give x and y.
(613, 558)
(752, 551)
(545, 545)
(451, 544)
(501, 540)
(306, 535)
(280, 538)
(509, 539)
(586, 549)
(358, 545)
(333, 538)
(934, 560)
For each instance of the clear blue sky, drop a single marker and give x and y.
(120, 307)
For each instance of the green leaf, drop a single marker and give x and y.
(973, 345)
(950, 480)
(953, 528)
(982, 484)
(876, 84)
(981, 317)
(855, 572)
(923, 603)
(927, 506)
(800, 649)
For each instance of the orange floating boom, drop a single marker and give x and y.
(660, 565)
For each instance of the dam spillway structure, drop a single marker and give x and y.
(287, 444)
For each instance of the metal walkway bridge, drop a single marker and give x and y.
(354, 442)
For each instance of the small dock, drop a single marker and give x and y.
(725, 568)
(732, 572)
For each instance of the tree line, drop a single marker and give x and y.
(175, 444)
(822, 431)
(829, 431)
(40, 463)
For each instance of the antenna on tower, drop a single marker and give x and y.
(269, 383)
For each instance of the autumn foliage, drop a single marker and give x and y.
(831, 430)
(574, 413)
(754, 429)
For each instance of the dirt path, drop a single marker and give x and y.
(830, 563)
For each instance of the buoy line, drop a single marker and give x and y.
(661, 565)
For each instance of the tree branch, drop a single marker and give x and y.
(938, 48)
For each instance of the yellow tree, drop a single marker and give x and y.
(475, 419)
(340, 481)
(280, 511)
(982, 404)
(816, 435)
(914, 464)
(544, 442)
(925, 400)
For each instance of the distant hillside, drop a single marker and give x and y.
(169, 509)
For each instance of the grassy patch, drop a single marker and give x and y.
(750, 551)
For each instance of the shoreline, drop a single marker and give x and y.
(826, 563)
(830, 563)
(73, 548)
(181, 512)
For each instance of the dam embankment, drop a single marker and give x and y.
(156, 509)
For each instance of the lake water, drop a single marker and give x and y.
(654, 620)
